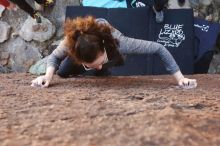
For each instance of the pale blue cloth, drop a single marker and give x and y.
(105, 3)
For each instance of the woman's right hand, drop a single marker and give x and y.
(41, 81)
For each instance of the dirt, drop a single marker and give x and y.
(112, 111)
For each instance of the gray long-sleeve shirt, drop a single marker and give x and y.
(127, 46)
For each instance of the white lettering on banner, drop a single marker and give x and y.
(202, 27)
(171, 35)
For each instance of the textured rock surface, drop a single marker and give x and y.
(116, 111)
(38, 32)
(39, 67)
(16, 20)
(206, 2)
(2, 8)
(4, 57)
(22, 55)
(4, 69)
(215, 64)
(5, 31)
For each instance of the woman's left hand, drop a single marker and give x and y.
(187, 83)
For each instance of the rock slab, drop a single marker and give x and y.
(38, 32)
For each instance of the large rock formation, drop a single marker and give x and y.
(113, 111)
(56, 15)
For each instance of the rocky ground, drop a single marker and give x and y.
(18, 48)
(117, 111)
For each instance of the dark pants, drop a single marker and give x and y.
(22, 4)
(69, 68)
(159, 4)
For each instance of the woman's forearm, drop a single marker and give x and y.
(50, 72)
(178, 76)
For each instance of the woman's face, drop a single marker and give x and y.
(101, 59)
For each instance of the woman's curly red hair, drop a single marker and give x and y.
(74, 28)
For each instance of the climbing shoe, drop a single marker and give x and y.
(49, 3)
(37, 17)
